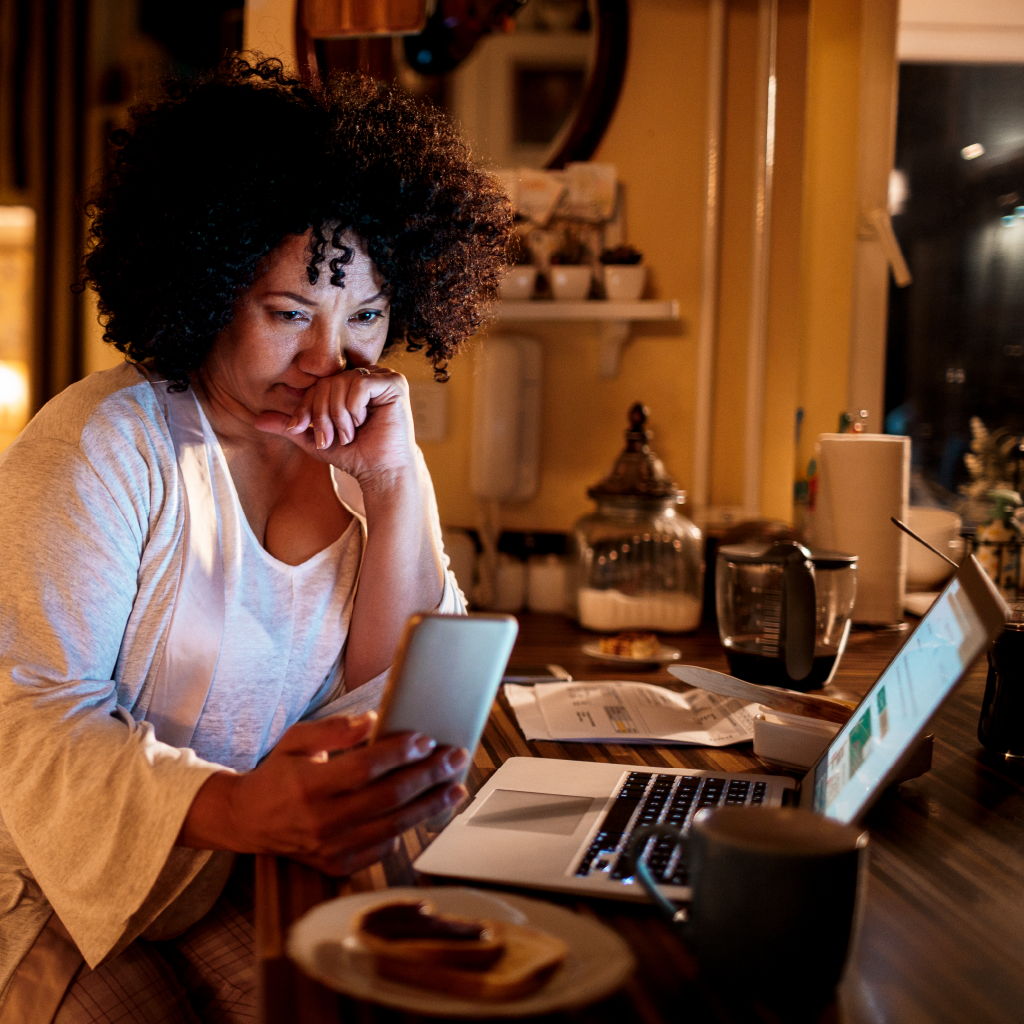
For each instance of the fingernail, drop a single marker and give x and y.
(455, 794)
(457, 760)
(423, 745)
(319, 438)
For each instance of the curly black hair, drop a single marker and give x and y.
(212, 177)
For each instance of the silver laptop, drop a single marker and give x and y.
(566, 825)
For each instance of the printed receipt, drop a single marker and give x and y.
(628, 712)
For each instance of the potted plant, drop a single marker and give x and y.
(570, 275)
(623, 273)
(521, 275)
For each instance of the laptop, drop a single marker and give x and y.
(565, 825)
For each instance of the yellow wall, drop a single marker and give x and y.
(830, 209)
(656, 141)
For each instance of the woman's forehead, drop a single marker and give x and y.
(289, 262)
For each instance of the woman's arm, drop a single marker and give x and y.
(365, 425)
(92, 801)
(401, 571)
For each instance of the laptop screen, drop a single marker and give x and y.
(895, 711)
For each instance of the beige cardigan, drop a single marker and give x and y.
(91, 513)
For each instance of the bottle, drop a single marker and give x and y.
(638, 557)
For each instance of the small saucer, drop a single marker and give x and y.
(662, 656)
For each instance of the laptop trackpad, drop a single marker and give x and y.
(532, 812)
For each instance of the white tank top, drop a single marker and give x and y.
(285, 628)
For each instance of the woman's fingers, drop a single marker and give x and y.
(299, 803)
(326, 736)
(355, 848)
(378, 779)
(338, 406)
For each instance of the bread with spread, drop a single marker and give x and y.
(630, 645)
(473, 958)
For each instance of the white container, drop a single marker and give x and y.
(793, 741)
(509, 584)
(570, 282)
(461, 551)
(546, 582)
(518, 283)
(623, 283)
(941, 528)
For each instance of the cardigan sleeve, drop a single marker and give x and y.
(91, 799)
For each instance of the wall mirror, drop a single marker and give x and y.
(532, 84)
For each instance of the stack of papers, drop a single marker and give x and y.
(626, 712)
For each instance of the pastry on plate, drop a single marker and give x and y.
(630, 645)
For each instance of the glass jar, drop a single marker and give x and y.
(639, 558)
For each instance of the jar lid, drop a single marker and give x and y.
(638, 472)
(778, 552)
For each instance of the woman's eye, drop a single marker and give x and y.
(291, 315)
(367, 316)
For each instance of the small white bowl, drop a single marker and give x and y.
(941, 528)
(518, 283)
(624, 282)
(570, 282)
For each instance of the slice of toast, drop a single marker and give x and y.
(529, 958)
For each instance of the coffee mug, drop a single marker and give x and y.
(775, 899)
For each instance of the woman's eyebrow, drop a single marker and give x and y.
(302, 299)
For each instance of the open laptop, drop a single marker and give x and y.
(565, 825)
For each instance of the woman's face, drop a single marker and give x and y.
(287, 334)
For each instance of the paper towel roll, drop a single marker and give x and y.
(863, 479)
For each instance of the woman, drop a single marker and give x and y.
(214, 547)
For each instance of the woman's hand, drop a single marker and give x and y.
(359, 420)
(325, 797)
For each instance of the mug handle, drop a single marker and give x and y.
(677, 915)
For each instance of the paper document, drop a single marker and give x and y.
(627, 712)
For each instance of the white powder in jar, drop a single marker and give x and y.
(612, 610)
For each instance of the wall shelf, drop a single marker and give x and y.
(614, 319)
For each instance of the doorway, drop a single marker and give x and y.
(955, 352)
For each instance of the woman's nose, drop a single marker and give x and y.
(324, 352)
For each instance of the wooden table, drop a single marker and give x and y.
(942, 933)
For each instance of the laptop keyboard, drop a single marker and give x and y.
(651, 798)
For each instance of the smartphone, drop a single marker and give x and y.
(446, 676)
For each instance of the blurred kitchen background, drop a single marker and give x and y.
(828, 196)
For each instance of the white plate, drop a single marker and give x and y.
(663, 655)
(322, 943)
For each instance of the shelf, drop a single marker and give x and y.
(615, 319)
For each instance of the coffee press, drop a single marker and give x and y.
(784, 611)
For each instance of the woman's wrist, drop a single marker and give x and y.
(210, 823)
